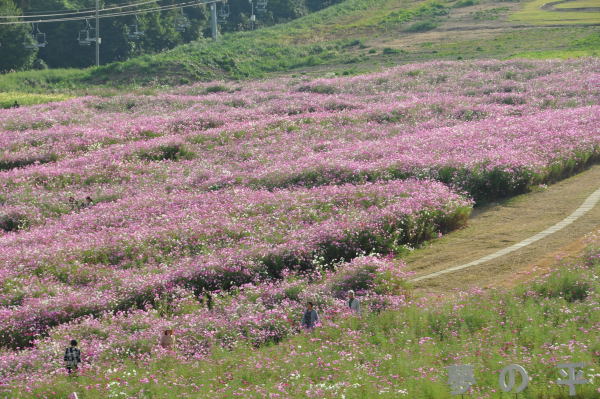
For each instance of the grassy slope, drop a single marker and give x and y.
(532, 13)
(349, 38)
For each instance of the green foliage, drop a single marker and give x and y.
(465, 3)
(471, 114)
(13, 55)
(167, 152)
(357, 279)
(7, 99)
(216, 89)
(407, 348)
(422, 26)
(392, 51)
(288, 46)
(64, 50)
(13, 221)
(569, 285)
(319, 88)
(8, 164)
(489, 15)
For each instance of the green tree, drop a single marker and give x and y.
(64, 50)
(13, 55)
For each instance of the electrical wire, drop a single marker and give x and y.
(120, 14)
(84, 11)
(59, 10)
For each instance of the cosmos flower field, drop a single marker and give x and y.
(219, 209)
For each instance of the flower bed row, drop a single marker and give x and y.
(254, 314)
(121, 255)
(101, 146)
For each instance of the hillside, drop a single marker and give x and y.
(219, 209)
(350, 37)
(360, 148)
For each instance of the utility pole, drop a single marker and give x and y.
(252, 16)
(97, 32)
(213, 20)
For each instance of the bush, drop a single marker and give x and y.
(390, 51)
(216, 89)
(369, 273)
(567, 284)
(13, 221)
(21, 162)
(422, 26)
(170, 152)
(470, 114)
(319, 88)
(465, 3)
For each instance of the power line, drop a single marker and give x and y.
(91, 9)
(85, 11)
(117, 14)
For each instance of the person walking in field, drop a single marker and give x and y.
(353, 302)
(310, 318)
(72, 357)
(167, 340)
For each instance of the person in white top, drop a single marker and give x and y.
(353, 303)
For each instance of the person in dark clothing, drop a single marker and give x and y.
(310, 318)
(72, 357)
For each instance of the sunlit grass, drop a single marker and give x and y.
(8, 99)
(392, 354)
(557, 54)
(579, 4)
(534, 14)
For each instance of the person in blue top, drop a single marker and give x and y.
(310, 318)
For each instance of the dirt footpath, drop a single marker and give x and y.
(497, 226)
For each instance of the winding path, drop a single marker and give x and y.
(550, 7)
(519, 224)
(587, 205)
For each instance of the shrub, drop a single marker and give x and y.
(318, 88)
(13, 221)
(170, 152)
(21, 162)
(422, 26)
(390, 51)
(369, 273)
(465, 3)
(568, 284)
(216, 89)
(470, 114)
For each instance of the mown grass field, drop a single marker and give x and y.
(578, 4)
(533, 13)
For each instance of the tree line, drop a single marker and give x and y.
(160, 30)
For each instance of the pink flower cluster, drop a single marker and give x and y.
(250, 192)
